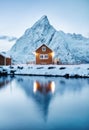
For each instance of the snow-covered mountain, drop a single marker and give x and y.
(69, 48)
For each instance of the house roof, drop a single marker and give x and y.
(4, 54)
(41, 46)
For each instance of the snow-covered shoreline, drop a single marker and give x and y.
(81, 70)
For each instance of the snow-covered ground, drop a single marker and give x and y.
(81, 70)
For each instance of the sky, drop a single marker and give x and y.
(70, 16)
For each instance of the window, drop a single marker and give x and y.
(43, 48)
(44, 56)
(41, 56)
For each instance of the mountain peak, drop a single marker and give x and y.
(42, 21)
(44, 17)
(42, 26)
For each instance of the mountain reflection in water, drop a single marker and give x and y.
(44, 103)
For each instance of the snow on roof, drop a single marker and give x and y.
(4, 54)
(41, 46)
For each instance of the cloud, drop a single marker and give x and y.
(8, 38)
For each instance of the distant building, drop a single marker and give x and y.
(5, 59)
(44, 55)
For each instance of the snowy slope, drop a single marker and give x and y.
(69, 48)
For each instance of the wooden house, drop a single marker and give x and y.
(44, 55)
(4, 59)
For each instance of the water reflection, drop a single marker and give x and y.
(40, 90)
(44, 103)
(44, 88)
(43, 93)
(4, 81)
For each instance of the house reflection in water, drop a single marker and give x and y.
(44, 88)
(43, 93)
(4, 81)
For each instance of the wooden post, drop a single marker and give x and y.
(4, 60)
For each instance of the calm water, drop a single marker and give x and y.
(44, 103)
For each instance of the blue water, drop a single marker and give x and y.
(44, 103)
